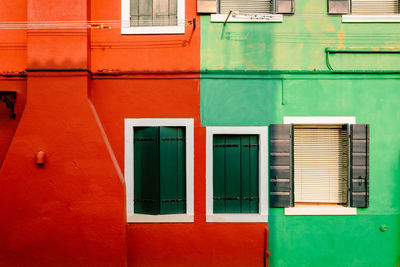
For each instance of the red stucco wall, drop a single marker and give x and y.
(71, 211)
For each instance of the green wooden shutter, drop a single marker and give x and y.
(219, 180)
(172, 170)
(146, 170)
(359, 165)
(235, 174)
(281, 165)
(338, 7)
(249, 174)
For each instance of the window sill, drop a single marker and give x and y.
(320, 210)
(237, 217)
(154, 30)
(247, 18)
(170, 218)
(371, 18)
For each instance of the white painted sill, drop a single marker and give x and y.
(170, 218)
(237, 218)
(154, 30)
(371, 18)
(320, 210)
(247, 18)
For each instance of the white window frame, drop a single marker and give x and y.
(262, 216)
(247, 17)
(320, 209)
(126, 23)
(133, 217)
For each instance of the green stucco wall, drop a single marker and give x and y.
(231, 100)
(256, 73)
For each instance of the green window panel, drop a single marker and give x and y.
(159, 170)
(235, 174)
(172, 170)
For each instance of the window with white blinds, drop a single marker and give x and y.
(246, 6)
(320, 163)
(145, 13)
(381, 7)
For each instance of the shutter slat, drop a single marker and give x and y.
(320, 164)
(280, 169)
(359, 165)
(219, 193)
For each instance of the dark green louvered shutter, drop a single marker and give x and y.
(281, 165)
(359, 165)
(160, 170)
(338, 7)
(235, 174)
(172, 170)
(146, 173)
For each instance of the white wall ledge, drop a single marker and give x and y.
(320, 210)
(247, 17)
(237, 217)
(371, 18)
(170, 218)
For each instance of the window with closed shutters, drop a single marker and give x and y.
(159, 170)
(320, 163)
(235, 177)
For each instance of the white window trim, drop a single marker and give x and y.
(247, 17)
(320, 209)
(262, 216)
(129, 170)
(127, 29)
(371, 18)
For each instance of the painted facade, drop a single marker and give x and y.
(75, 87)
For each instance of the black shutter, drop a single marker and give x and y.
(281, 166)
(359, 165)
(338, 7)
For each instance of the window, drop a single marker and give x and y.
(236, 181)
(153, 16)
(159, 170)
(319, 165)
(246, 10)
(365, 10)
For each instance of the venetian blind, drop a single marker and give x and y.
(245, 6)
(375, 6)
(153, 13)
(320, 164)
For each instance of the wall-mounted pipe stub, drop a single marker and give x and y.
(40, 158)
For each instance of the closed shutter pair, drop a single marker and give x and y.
(159, 170)
(246, 6)
(282, 167)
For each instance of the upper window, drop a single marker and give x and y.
(236, 174)
(251, 10)
(366, 10)
(153, 16)
(319, 164)
(159, 170)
